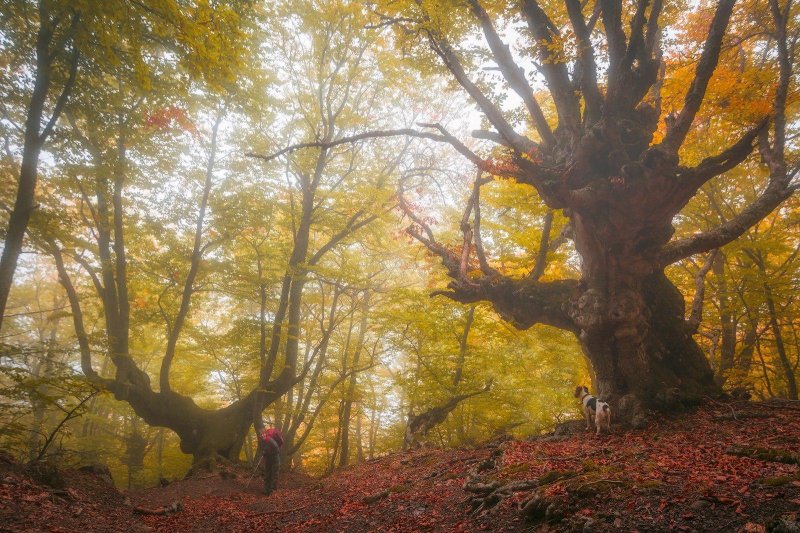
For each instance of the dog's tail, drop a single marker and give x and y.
(605, 407)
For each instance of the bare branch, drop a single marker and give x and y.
(493, 113)
(73, 413)
(445, 138)
(352, 225)
(450, 260)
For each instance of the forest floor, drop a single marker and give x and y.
(725, 467)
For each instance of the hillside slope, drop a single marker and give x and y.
(731, 467)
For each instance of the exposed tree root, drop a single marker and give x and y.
(375, 497)
(766, 454)
(486, 495)
(284, 511)
(174, 507)
(740, 416)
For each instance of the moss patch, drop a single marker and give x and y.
(777, 481)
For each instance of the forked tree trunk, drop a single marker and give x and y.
(205, 434)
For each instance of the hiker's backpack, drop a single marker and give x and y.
(271, 433)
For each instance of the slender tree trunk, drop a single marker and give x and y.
(744, 360)
(347, 407)
(728, 336)
(462, 346)
(764, 369)
(35, 138)
(43, 372)
(160, 452)
(374, 424)
(359, 438)
(780, 346)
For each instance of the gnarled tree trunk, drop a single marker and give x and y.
(643, 356)
(618, 183)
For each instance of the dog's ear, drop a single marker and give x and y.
(578, 391)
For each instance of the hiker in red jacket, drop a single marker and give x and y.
(271, 440)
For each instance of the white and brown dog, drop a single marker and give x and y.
(594, 410)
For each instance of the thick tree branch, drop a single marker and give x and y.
(586, 67)
(513, 74)
(677, 131)
(636, 41)
(653, 29)
(521, 302)
(612, 22)
(552, 65)
(772, 197)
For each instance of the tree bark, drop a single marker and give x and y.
(727, 351)
(347, 405)
(780, 346)
(649, 360)
(35, 137)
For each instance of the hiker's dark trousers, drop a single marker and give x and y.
(272, 464)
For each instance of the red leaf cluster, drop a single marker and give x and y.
(168, 118)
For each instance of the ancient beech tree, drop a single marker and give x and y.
(617, 183)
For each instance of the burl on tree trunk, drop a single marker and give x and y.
(641, 352)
